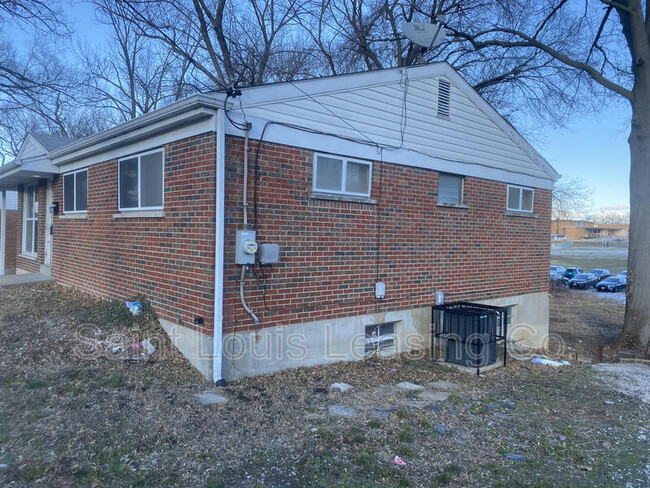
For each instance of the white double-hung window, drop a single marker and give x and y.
(520, 199)
(141, 181)
(336, 174)
(75, 192)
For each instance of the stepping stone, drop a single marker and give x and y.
(433, 408)
(444, 385)
(208, 397)
(381, 412)
(434, 396)
(341, 411)
(515, 457)
(440, 429)
(405, 385)
(341, 386)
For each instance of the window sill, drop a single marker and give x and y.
(28, 256)
(527, 215)
(140, 214)
(74, 216)
(341, 198)
(453, 205)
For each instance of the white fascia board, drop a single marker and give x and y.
(148, 136)
(39, 165)
(331, 144)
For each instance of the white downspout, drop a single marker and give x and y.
(3, 232)
(217, 342)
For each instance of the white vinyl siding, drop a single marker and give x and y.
(141, 181)
(30, 220)
(75, 192)
(378, 114)
(334, 174)
(450, 189)
(520, 199)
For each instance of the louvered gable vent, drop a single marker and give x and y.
(444, 97)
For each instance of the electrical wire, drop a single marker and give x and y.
(404, 114)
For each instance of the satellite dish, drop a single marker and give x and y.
(425, 34)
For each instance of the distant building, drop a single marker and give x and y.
(585, 229)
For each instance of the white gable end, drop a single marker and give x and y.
(399, 113)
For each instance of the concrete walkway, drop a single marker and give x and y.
(20, 279)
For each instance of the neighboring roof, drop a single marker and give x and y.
(51, 142)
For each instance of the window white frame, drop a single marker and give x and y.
(344, 168)
(462, 189)
(74, 192)
(30, 223)
(119, 187)
(521, 190)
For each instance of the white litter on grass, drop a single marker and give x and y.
(629, 378)
(341, 386)
(548, 362)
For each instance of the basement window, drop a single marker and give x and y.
(141, 181)
(338, 175)
(520, 199)
(380, 339)
(75, 192)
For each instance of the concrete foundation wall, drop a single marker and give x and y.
(529, 318)
(194, 345)
(268, 350)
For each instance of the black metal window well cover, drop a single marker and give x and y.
(470, 332)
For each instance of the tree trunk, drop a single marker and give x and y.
(637, 310)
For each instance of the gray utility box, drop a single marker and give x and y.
(269, 254)
(246, 247)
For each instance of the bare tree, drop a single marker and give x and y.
(571, 197)
(594, 48)
(132, 75)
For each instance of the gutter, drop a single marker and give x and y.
(217, 340)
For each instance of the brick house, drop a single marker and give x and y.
(350, 201)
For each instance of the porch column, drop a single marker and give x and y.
(3, 231)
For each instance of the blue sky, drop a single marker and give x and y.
(592, 147)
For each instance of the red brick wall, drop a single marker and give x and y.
(10, 241)
(170, 260)
(27, 263)
(331, 254)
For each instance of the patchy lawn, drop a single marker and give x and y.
(586, 320)
(76, 417)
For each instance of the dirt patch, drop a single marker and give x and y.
(630, 379)
(73, 416)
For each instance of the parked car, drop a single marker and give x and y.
(571, 272)
(623, 274)
(557, 272)
(583, 280)
(613, 283)
(600, 273)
